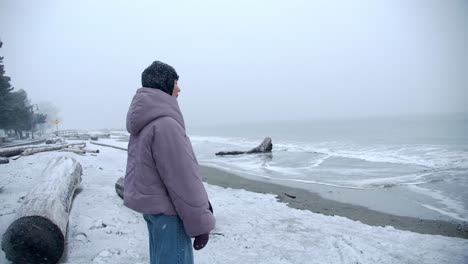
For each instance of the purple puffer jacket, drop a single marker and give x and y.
(163, 175)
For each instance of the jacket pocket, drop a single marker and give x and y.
(148, 181)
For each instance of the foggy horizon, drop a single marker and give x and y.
(240, 62)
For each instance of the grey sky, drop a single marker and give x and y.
(240, 60)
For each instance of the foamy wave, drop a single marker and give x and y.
(241, 142)
(319, 161)
(256, 175)
(451, 207)
(421, 155)
(387, 182)
(281, 170)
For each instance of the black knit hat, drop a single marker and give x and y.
(160, 76)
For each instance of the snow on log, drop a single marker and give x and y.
(29, 149)
(38, 233)
(32, 151)
(265, 147)
(4, 160)
(15, 151)
(105, 145)
(91, 150)
(74, 150)
(119, 187)
(54, 140)
(79, 145)
(24, 143)
(100, 135)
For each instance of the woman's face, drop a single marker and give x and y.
(176, 90)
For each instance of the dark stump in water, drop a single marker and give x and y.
(265, 147)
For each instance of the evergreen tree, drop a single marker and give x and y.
(19, 111)
(39, 119)
(5, 90)
(15, 110)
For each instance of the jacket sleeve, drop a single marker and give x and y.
(180, 173)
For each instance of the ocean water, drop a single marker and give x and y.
(427, 155)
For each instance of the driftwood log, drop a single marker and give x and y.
(74, 150)
(77, 136)
(101, 135)
(265, 147)
(53, 140)
(110, 146)
(4, 160)
(38, 233)
(52, 148)
(15, 151)
(29, 149)
(32, 151)
(119, 187)
(91, 150)
(34, 142)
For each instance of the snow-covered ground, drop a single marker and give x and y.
(251, 227)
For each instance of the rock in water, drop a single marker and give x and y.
(265, 147)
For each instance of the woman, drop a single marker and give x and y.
(163, 180)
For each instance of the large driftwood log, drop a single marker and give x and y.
(54, 140)
(265, 147)
(110, 146)
(32, 151)
(34, 142)
(38, 233)
(74, 150)
(15, 151)
(29, 149)
(119, 187)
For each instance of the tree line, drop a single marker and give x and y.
(16, 111)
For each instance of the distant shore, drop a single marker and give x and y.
(303, 199)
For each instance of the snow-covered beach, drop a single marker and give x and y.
(251, 227)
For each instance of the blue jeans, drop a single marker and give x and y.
(168, 241)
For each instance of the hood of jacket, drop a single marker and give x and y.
(149, 104)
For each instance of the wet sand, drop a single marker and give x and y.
(303, 199)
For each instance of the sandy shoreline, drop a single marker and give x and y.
(311, 201)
